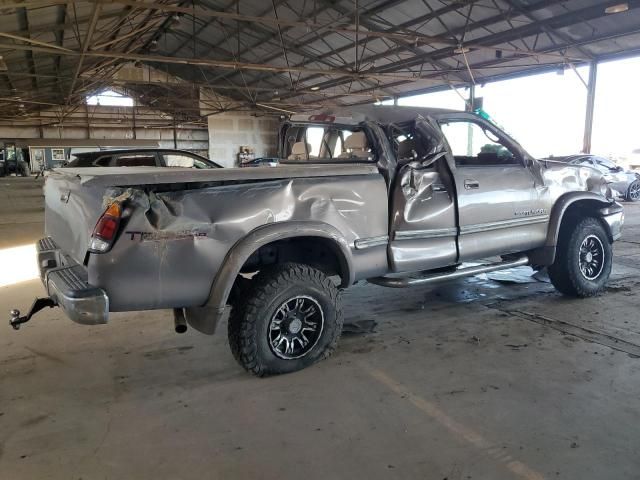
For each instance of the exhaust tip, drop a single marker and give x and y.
(179, 321)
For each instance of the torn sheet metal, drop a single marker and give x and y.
(172, 244)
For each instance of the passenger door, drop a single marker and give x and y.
(501, 207)
(423, 218)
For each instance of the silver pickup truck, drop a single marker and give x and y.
(394, 196)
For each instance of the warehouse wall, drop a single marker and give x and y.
(228, 131)
(114, 123)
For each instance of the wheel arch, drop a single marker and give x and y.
(570, 207)
(206, 317)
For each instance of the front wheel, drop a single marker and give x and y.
(291, 317)
(583, 259)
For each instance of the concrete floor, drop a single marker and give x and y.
(473, 380)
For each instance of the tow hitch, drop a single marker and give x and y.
(38, 304)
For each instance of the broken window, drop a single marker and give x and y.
(473, 144)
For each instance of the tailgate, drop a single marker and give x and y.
(71, 212)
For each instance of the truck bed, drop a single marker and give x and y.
(173, 238)
(128, 176)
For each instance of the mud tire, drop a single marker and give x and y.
(566, 274)
(250, 319)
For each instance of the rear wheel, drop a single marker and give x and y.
(290, 317)
(583, 259)
(633, 192)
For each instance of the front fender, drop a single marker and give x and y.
(206, 317)
(589, 202)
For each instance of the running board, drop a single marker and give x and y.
(402, 282)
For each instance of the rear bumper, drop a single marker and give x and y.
(67, 285)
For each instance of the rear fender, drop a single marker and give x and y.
(206, 317)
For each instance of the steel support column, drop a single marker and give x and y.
(591, 98)
(175, 136)
(469, 108)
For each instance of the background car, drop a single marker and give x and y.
(261, 162)
(153, 157)
(625, 182)
(13, 161)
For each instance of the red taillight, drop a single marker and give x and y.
(106, 229)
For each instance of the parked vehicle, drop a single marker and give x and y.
(153, 157)
(394, 196)
(14, 160)
(624, 183)
(261, 162)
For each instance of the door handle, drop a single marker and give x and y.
(471, 184)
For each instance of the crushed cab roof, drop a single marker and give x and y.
(376, 113)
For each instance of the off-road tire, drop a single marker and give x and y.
(632, 192)
(250, 318)
(565, 273)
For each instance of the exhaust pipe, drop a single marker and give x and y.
(179, 320)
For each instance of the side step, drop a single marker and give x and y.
(402, 282)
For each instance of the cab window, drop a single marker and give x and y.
(476, 145)
(408, 144)
(330, 144)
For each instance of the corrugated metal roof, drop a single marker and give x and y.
(292, 55)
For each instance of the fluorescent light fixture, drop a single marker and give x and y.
(618, 8)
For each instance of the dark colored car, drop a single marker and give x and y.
(154, 157)
(14, 162)
(261, 162)
(624, 182)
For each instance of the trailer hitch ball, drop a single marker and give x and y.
(38, 304)
(14, 321)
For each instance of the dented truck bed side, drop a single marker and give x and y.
(179, 224)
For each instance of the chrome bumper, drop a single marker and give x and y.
(614, 216)
(67, 285)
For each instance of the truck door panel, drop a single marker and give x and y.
(501, 204)
(423, 222)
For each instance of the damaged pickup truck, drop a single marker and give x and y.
(394, 196)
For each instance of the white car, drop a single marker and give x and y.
(625, 182)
